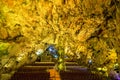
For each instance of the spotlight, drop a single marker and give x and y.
(39, 52)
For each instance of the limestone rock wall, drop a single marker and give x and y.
(85, 29)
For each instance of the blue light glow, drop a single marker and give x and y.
(51, 49)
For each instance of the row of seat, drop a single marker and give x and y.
(41, 72)
(46, 76)
(36, 75)
(73, 75)
(33, 68)
(52, 64)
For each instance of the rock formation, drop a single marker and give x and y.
(86, 30)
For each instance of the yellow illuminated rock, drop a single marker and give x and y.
(85, 29)
(3, 33)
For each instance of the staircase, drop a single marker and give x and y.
(45, 71)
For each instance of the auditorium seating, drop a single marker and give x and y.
(41, 71)
(78, 75)
(36, 75)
